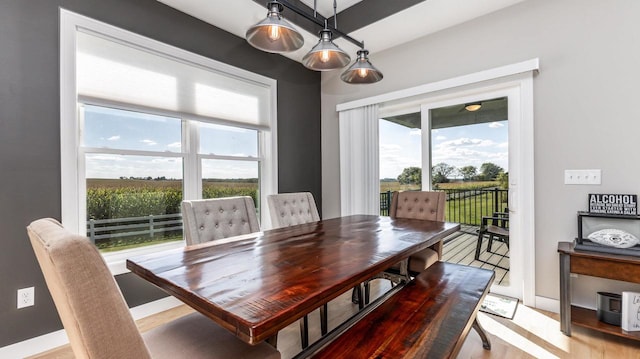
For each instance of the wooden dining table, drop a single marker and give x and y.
(255, 285)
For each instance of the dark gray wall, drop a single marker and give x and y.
(30, 135)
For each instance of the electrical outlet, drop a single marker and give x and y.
(26, 297)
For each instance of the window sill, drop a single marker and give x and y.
(117, 261)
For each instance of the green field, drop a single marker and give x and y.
(125, 198)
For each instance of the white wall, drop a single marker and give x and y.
(585, 112)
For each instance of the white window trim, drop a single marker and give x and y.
(518, 77)
(71, 173)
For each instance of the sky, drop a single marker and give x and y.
(399, 146)
(125, 130)
(456, 146)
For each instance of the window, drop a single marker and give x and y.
(145, 125)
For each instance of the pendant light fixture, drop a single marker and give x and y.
(361, 72)
(274, 34)
(325, 55)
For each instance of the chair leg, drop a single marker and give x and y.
(324, 310)
(490, 244)
(478, 246)
(354, 296)
(304, 331)
(367, 292)
(358, 288)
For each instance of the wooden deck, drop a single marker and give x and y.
(460, 248)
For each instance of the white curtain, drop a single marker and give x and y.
(359, 161)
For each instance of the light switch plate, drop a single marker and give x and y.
(592, 177)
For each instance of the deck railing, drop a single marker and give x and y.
(468, 206)
(465, 206)
(462, 206)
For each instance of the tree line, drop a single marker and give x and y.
(442, 173)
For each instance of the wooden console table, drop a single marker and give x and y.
(604, 265)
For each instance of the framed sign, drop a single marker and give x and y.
(617, 204)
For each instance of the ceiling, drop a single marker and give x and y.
(491, 110)
(325, 7)
(369, 21)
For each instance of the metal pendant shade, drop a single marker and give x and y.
(325, 55)
(274, 34)
(361, 72)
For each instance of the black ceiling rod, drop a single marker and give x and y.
(309, 17)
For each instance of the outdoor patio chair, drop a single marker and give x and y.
(217, 218)
(496, 228)
(290, 209)
(97, 319)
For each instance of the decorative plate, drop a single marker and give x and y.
(614, 238)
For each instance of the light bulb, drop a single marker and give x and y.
(274, 32)
(362, 72)
(324, 57)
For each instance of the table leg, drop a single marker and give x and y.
(486, 343)
(404, 269)
(565, 294)
(273, 340)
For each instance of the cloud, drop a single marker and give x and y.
(467, 142)
(175, 145)
(389, 147)
(466, 151)
(441, 138)
(496, 125)
(462, 141)
(394, 158)
(113, 138)
(149, 142)
(415, 132)
(105, 157)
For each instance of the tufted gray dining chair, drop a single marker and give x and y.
(290, 209)
(423, 205)
(217, 218)
(97, 319)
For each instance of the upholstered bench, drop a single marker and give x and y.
(429, 317)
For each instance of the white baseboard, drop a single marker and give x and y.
(548, 304)
(157, 306)
(59, 338)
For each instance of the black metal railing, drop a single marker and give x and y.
(468, 206)
(385, 203)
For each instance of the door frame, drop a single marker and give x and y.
(519, 91)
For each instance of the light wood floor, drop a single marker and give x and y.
(531, 334)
